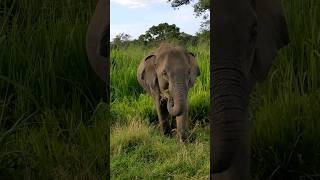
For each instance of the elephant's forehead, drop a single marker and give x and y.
(172, 55)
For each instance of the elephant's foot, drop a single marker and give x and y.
(183, 137)
(165, 128)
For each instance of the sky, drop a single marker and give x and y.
(135, 17)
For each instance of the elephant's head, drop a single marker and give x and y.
(172, 70)
(97, 38)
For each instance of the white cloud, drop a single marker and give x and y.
(138, 3)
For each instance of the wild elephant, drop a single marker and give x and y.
(246, 37)
(171, 70)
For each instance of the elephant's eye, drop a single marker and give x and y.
(189, 71)
(164, 73)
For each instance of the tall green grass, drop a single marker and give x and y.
(51, 126)
(285, 109)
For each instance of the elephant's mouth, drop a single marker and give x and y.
(165, 95)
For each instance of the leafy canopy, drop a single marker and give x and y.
(161, 32)
(200, 9)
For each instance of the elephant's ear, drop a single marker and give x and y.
(272, 35)
(148, 74)
(97, 38)
(148, 62)
(194, 71)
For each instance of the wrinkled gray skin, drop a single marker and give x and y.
(174, 69)
(247, 35)
(97, 39)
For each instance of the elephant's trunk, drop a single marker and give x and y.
(176, 105)
(234, 39)
(230, 130)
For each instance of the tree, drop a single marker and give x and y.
(122, 37)
(120, 40)
(167, 33)
(185, 38)
(203, 36)
(200, 9)
(161, 32)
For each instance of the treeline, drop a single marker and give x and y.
(163, 32)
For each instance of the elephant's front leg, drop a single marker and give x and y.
(162, 112)
(182, 125)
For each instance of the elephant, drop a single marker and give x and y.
(247, 35)
(97, 38)
(167, 75)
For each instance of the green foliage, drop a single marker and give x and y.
(285, 108)
(200, 7)
(158, 34)
(121, 40)
(164, 33)
(203, 36)
(161, 32)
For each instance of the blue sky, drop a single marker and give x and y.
(135, 17)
